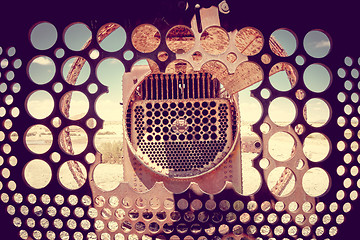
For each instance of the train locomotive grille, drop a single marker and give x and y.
(185, 130)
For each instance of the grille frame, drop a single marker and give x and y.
(222, 95)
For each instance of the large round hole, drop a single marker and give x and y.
(72, 175)
(316, 182)
(108, 176)
(38, 139)
(43, 35)
(74, 105)
(145, 38)
(249, 41)
(282, 111)
(73, 140)
(40, 104)
(180, 39)
(214, 40)
(316, 147)
(77, 36)
(281, 181)
(283, 76)
(317, 44)
(283, 42)
(281, 146)
(37, 173)
(111, 37)
(317, 78)
(75, 70)
(41, 70)
(110, 72)
(316, 112)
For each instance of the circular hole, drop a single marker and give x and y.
(72, 175)
(283, 42)
(196, 56)
(41, 70)
(283, 76)
(93, 88)
(214, 40)
(180, 39)
(316, 147)
(107, 177)
(109, 73)
(128, 55)
(231, 57)
(265, 93)
(316, 182)
(145, 38)
(74, 105)
(317, 43)
(348, 61)
(276, 184)
(282, 111)
(9, 75)
(341, 97)
(266, 58)
(265, 128)
(316, 112)
(16, 87)
(37, 173)
(317, 78)
(38, 139)
(59, 52)
(264, 163)
(355, 73)
(58, 87)
(249, 41)
(300, 60)
(281, 146)
(43, 35)
(94, 53)
(77, 36)
(111, 37)
(163, 56)
(55, 157)
(299, 129)
(73, 140)
(75, 70)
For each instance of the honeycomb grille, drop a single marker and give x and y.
(182, 138)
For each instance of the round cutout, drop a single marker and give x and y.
(72, 175)
(281, 146)
(317, 112)
(180, 39)
(37, 174)
(317, 44)
(77, 36)
(316, 147)
(249, 41)
(41, 70)
(283, 76)
(76, 70)
(145, 38)
(276, 184)
(283, 42)
(214, 40)
(111, 37)
(282, 111)
(38, 139)
(40, 104)
(78, 105)
(73, 140)
(316, 182)
(43, 35)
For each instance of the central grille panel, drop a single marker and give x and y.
(182, 137)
